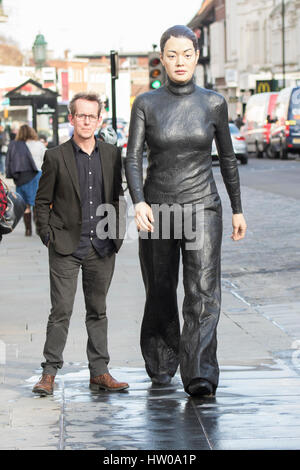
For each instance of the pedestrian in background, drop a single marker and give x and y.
(3, 202)
(43, 139)
(78, 177)
(238, 121)
(23, 164)
(14, 130)
(4, 141)
(179, 122)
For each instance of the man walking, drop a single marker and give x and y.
(77, 177)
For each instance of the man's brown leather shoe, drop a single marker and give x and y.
(106, 382)
(45, 385)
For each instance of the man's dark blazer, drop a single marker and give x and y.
(57, 204)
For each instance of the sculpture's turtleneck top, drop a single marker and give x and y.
(180, 89)
(178, 123)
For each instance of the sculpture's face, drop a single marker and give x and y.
(179, 59)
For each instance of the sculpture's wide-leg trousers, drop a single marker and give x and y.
(163, 347)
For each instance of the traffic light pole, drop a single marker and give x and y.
(113, 103)
(114, 75)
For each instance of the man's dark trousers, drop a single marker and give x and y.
(96, 278)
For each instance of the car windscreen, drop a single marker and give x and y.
(294, 107)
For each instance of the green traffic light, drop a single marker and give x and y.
(156, 84)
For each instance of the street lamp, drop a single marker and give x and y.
(283, 41)
(39, 50)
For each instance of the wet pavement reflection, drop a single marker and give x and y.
(255, 408)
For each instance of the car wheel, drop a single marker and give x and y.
(273, 152)
(269, 152)
(244, 159)
(258, 153)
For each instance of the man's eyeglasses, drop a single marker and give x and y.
(83, 117)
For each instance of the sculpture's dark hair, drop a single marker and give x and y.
(178, 31)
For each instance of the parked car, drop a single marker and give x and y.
(258, 118)
(239, 145)
(285, 131)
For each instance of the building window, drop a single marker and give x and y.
(133, 61)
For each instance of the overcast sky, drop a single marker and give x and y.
(88, 26)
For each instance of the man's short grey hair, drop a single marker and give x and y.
(89, 96)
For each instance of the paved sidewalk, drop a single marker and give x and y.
(251, 411)
(257, 402)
